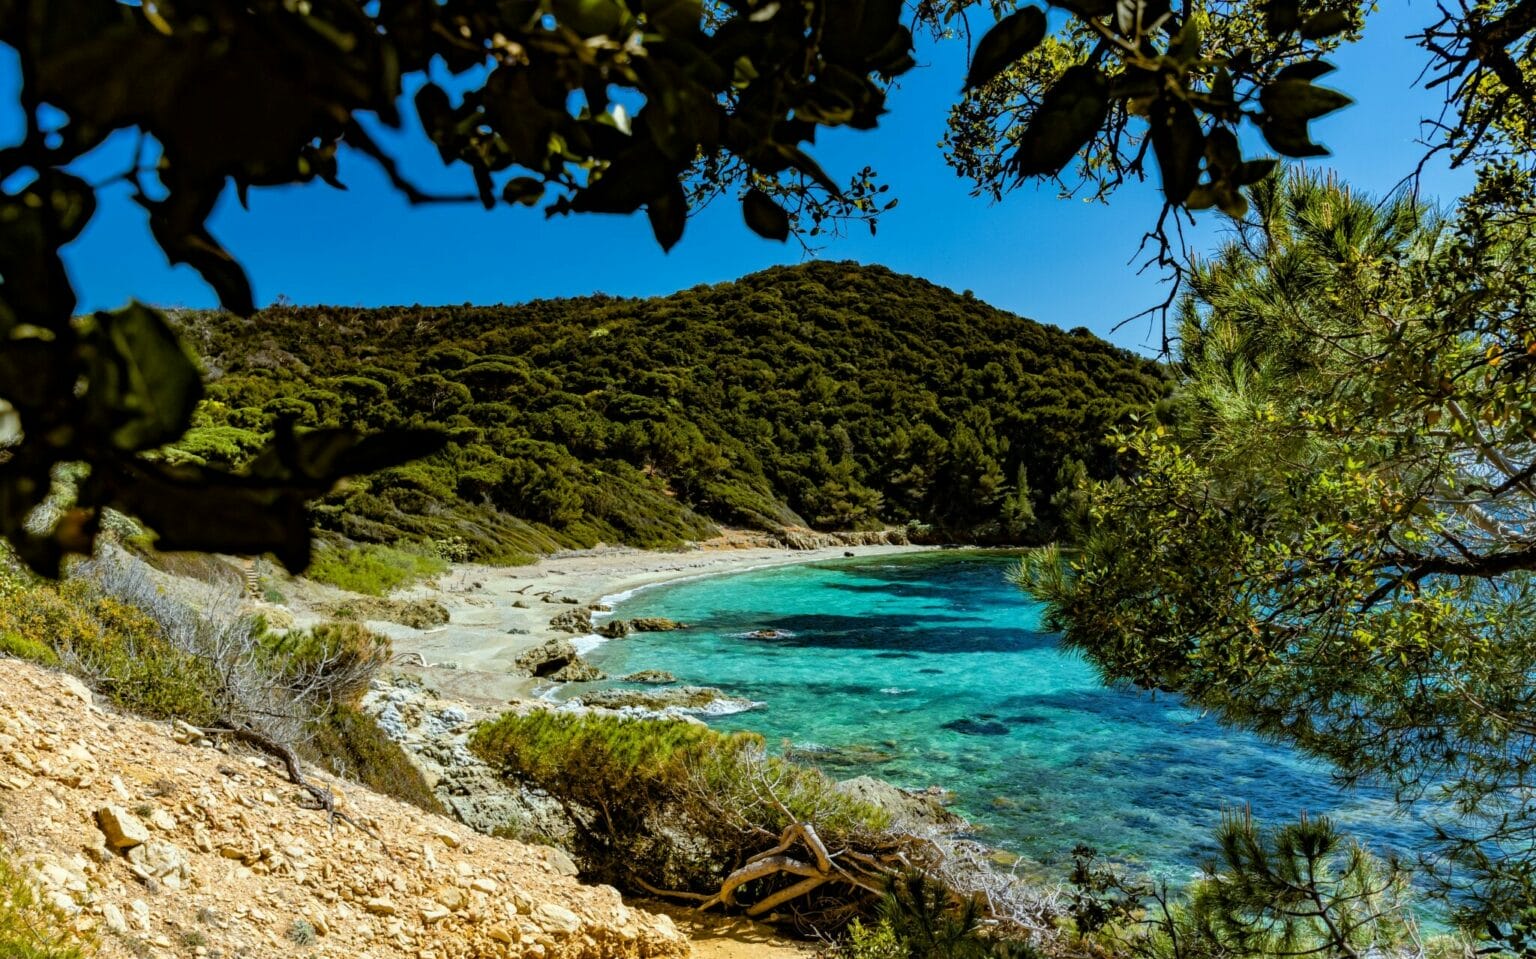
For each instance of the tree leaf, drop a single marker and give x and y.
(1179, 143)
(1086, 9)
(1069, 115)
(668, 214)
(1326, 24)
(143, 382)
(765, 217)
(1298, 99)
(1011, 38)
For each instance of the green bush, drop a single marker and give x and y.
(373, 569)
(671, 802)
(30, 929)
(28, 648)
(116, 646)
(350, 744)
(333, 662)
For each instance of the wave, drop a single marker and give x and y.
(897, 690)
(587, 642)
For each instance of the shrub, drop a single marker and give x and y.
(667, 802)
(327, 663)
(349, 743)
(374, 569)
(29, 929)
(28, 648)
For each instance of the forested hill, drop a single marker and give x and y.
(827, 395)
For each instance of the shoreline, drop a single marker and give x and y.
(498, 613)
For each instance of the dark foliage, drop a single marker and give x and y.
(826, 395)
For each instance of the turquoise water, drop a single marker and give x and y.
(932, 669)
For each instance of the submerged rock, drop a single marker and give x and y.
(652, 677)
(908, 809)
(766, 634)
(696, 699)
(978, 727)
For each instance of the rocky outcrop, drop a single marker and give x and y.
(650, 677)
(916, 810)
(578, 621)
(556, 659)
(706, 700)
(810, 539)
(435, 734)
(619, 628)
(162, 848)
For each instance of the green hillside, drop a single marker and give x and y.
(826, 395)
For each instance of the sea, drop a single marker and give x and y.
(932, 669)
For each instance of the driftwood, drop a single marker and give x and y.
(861, 872)
(323, 797)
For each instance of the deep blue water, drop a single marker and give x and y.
(932, 669)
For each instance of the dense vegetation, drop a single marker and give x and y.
(116, 626)
(827, 395)
(1331, 535)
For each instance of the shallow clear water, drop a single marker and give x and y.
(932, 669)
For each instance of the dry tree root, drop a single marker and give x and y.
(323, 797)
(866, 873)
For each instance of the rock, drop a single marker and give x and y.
(122, 829)
(577, 671)
(380, 906)
(559, 861)
(77, 689)
(162, 820)
(578, 621)
(448, 838)
(619, 628)
(651, 677)
(977, 727)
(553, 656)
(555, 918)
(765, 634)
(907, 808)
(520, 604)
(482, 884)
(704, 699)
(449, 897)
(112, 916)
(158, 859)
(570, 600)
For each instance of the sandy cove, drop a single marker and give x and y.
(471, 658)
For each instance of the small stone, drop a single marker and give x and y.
(556, 918)
(450, 897)
(559, 861)
(113, 917)
(122, 829)
(162, 820)
(380, 906)
(434, 912)
(448, 838)
(483, 884)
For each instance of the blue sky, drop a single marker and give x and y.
(1066, 262)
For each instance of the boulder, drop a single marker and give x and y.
(551, 657)
(908, 809)
(619, 628)
(577, 670)
(578, 621)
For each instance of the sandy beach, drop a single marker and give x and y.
(471, 658)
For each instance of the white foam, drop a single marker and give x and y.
(897, 690)
(585, 644)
